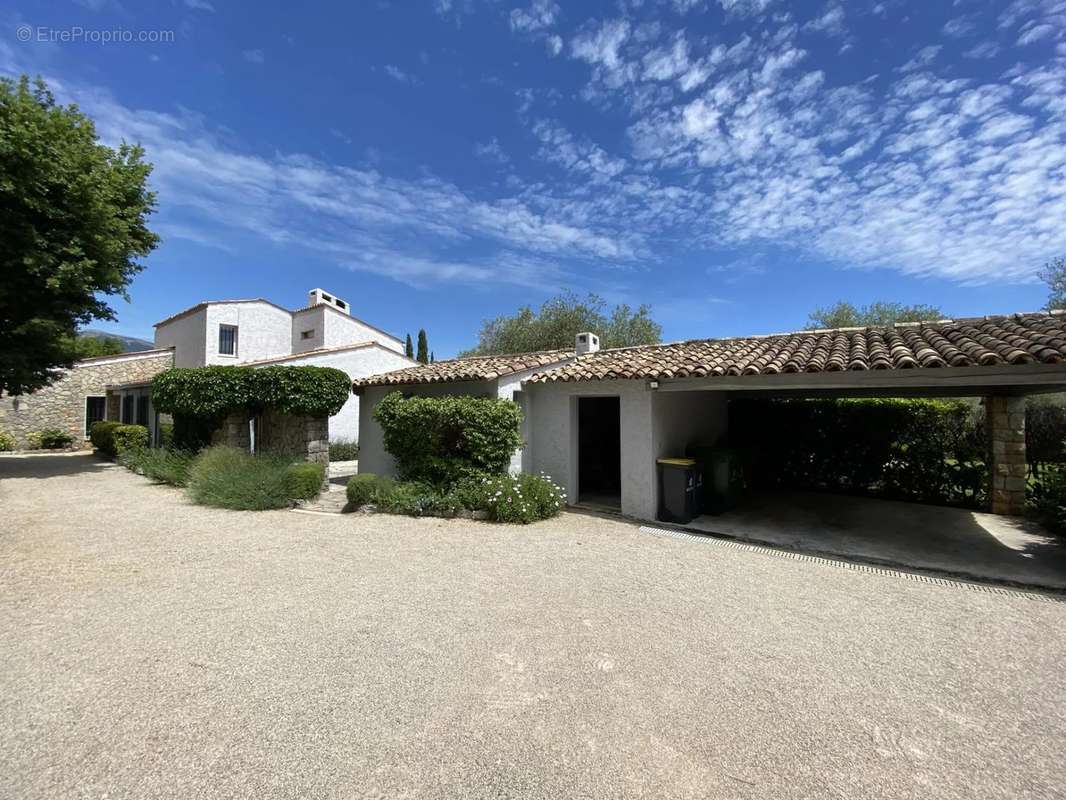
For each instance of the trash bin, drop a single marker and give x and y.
(723, 476)
(680, 489)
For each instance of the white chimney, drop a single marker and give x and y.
(317, 297)
(586, 343)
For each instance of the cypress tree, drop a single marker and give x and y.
(423, 347)
(408, 348)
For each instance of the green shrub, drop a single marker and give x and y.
(1047, 500)
(929, 451)
(49, 439)
(224, 477)
(159, 464)
(129, 437)
(166, 435)
(213, 392)
(415, 499)
(102, 436)
(366, 488)
(305, 480)
(441, 440)
(519, 499)
(7, 442)
(343, 450)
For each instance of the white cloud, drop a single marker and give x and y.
(983, 50)
(491, 151)
(399, 75)
(923, 58)
(559, 146)
(200, 5)
(554, 44)
(959, 27)
(831, 21)
(1035, 33)
(541, 14)
(254, 56)
(601, 44)
(745, 8)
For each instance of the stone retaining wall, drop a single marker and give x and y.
(304, 438)
(62, 405)
(1006, 429)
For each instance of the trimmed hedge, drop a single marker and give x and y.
(305, 480)
(366, 488)
(441, 440)
(343, 450)
(213, 392)
(129, 437)
(102, 436)
(931, 451)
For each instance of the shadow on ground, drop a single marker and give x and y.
(954, 540)
(50, 465)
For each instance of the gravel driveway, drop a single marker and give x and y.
(150, 648)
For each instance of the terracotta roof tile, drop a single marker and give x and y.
(981, 341)
(480, 368)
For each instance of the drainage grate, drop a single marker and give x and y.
(851, 565)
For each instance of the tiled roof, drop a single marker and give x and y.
(982, 341)
(480, 368)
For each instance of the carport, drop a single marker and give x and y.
(671, 396)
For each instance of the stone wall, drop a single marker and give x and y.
(304, 438)
(62, 405)
(1006, 429)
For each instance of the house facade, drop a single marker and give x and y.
(84, 394)
(246, 332)
(598, 420)
(261, 333)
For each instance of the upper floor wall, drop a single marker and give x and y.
(239, 331)
(325, 326)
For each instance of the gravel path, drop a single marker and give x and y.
(150, 648)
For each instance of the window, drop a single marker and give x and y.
(142, 410)
(127, 409)
(95, 411)
(307, 334)
(227, 340)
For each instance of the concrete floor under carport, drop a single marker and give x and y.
(964, 543)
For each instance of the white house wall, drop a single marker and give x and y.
(309, 320)
(186, 335)
(554, 438)
(263, 331)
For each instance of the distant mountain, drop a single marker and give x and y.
(129, 343)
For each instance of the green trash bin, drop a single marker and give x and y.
(723, 476)
(680, 489)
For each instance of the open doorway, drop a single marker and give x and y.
(599, 456)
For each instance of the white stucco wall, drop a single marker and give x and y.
(309, 320)
(357, 363)
(343, 329)
(554, 438)
(186, 335)
(263, 331)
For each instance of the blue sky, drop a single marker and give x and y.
(734, 163)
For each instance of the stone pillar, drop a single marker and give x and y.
(1005, 420)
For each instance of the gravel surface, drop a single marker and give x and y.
(150, 648)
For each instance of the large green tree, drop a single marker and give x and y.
(845, 315)
(74, 222)
(560, 319)
(1054, 275)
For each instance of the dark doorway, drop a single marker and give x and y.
(599, 453)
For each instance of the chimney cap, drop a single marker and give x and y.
(586, 342)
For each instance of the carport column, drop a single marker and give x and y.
(1006, 429)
